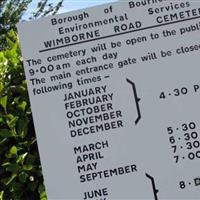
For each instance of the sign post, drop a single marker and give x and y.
(115, 96)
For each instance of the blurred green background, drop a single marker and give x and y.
(20, 171)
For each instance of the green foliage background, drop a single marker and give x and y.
(20, 170)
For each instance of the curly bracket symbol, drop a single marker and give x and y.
(136, 100)
(155, 191)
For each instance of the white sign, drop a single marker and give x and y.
(115, 95)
